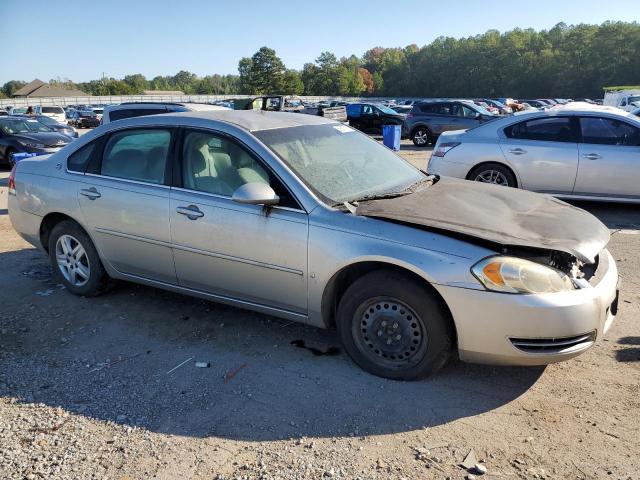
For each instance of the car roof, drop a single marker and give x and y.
(251, 120)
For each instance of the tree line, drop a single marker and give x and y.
(564, 61)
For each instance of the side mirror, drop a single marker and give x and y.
(255, 193)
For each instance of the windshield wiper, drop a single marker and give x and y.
(414, 187)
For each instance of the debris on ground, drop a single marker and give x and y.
(203, 365)
(470, 460)
(120, 359)
(229, 376)
(44, 293)
(180, 365)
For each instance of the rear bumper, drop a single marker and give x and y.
(26, 224)
(509, 329)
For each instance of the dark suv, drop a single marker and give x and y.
(428, 119)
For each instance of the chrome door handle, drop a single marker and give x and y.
(591, 156)
(517, 151)
(90, 193)
(192, 212)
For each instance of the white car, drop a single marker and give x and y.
(52, 111)
(571, 153)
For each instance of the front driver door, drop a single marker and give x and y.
(242, 252)
(609, 156)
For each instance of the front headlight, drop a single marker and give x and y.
(517, 275)
(30, 144)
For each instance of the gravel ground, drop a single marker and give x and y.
(89, 389)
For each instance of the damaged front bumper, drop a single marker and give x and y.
(513, 329)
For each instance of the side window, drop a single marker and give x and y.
(550, 129)
(468, 112)
(367, 109)
(607, 131)
(139, 155)
(429, 108)
(445, 109)
(213, 164)
(78, 161)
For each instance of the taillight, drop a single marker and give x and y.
(444, 148)
(12, 180)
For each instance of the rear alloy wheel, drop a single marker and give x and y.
(494, 173)
(393, 327)
(421, 137)
(75, 260)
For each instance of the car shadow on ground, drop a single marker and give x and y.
(616, 216)
(129, 356)
(631, 354)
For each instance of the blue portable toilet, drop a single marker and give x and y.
(391, 136)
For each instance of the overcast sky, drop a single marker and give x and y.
(82, 39)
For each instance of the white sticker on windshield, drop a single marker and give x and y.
(343, 128)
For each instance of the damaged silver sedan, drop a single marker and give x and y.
(306, 219)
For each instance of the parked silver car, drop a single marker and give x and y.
(307, 219)
(568, 152)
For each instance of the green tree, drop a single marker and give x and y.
(266, 73)
(245, 80)
(12, 86)
(292, 83)
(137, 82)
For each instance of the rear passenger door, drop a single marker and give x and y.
(544, 153)
(609, 158)
(236, 251)
(124, 199)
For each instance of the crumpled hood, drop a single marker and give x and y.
(502, 215)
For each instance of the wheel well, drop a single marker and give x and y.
(468, 177)
(48, 222)
(339, 283)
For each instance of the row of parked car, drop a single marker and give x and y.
(46, 130)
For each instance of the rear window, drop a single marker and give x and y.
(549, 129)
(52, 110)
(78, 161)
(134, 112)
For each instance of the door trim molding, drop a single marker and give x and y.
(201, 252)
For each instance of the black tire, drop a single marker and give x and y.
(98, 280)
(421, 137)
(501, 174)
(8, 157)
(419, 325)
(356, 125)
